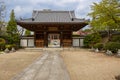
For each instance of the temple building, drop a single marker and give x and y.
(52, 28)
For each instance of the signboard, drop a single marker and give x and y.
(53, 28)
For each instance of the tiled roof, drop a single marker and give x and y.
(53, 16)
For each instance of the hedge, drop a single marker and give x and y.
(112, 46)
(99, 46)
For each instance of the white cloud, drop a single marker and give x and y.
(18, 10)
(55, 2)
(21, 10)
(25, 7)
(83, 8)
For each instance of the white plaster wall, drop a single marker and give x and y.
(30, 42)
(23, 42)
(81, 42)
(76, 42)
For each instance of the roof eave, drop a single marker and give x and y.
(85, 22)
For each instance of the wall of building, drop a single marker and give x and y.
(78, 42)
(27, 42)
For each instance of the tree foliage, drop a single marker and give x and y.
(115, 38)
(12, 25)
(112, 46)
(2, 43)
(27, 32)
(98, 46)
(2, 14)
(105, 15)
(12, 29)
(92, 39)
(87, 41)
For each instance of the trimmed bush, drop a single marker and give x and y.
(115, 38)
(2, 43)
(9, 46)
(112, 46)
(87, 41)
(99, 46)
(14, 46)
(92, 39)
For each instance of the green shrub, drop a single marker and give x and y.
(9, 46)
(92, 39)
(112, 46)
(99, 46)
(87, 41)
(14, 45)
(2, 43)
(115, 38)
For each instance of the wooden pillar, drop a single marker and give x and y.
(61, 39)
(35, 39)
(71, 39)
(45, 39)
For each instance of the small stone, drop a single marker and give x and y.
(6, 50)
(109, 52)
(92, 49)
(118, 53)
(96, 50)
(13, 49)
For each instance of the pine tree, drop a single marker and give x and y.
(12, 25)
(12, 29)
(2, 15)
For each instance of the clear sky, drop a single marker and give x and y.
(24, 8)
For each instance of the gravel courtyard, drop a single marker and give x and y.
(59, 65)
(13, 63)
(85, 65)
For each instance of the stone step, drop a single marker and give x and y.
(49, 49)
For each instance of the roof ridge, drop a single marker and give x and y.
(52, 11)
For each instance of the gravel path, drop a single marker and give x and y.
(49, 66)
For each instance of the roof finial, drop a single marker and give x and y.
(33, 19)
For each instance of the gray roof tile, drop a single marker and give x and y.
(53, 16)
